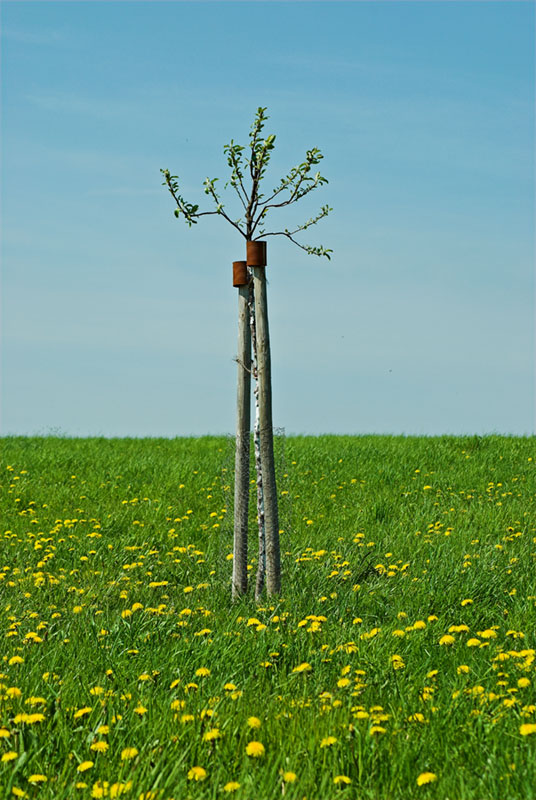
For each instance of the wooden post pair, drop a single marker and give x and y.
(256, 261)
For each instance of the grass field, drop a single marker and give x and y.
(399, 661)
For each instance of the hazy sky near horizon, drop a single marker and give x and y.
(118, 320)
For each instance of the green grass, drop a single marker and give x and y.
(115, 591)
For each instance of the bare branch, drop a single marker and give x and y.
(314, 251)
(210, 190)
(318, 251)
(241, 363)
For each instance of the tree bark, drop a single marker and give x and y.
(243, 402)
(271, 515)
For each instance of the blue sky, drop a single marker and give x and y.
(118, 320)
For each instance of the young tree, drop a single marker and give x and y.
(248, 170)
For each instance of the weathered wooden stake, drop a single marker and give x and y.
(241, 279)
(261, 565)
(256, 260)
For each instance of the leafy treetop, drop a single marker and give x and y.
(295, 185)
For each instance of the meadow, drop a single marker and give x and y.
(399, 661)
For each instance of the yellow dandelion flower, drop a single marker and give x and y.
(140, 710)
(232, 786)
(30, 719)
(370, 634)
(117, 789)
(128, 752)
(229, 687)
(467, 602)
(254, 722)
(13, 691)
(463, 669)
(289, 777)
(197, 774)
(35, 779)
(18, 792)
(341, 779)
(36, 701)
(426, 777)
(255, 749)
(343, 682)
(447, 639)
(417, 717)
(327, 741)
(376, 729)
(15, 660)
(473, 642)
(104, 730)
(84, 766)
(202, 672)
(82, 712)
(4, 733)
(9, 756)
(527, 729)
(489, 633)
(523, 683)
(99, 747)
(304, 667)
(211, 734)
(100, 789)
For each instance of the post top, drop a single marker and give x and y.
(240, 273)
(256, 254)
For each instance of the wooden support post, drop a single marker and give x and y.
(241, 496)
(256, 259)
(261, 565)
